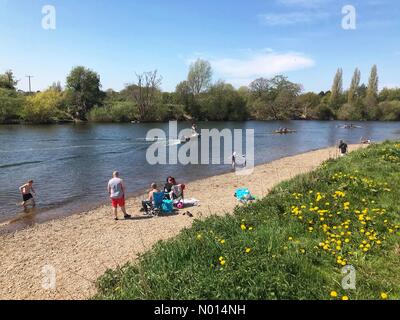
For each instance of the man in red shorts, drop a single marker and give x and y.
(116, 190)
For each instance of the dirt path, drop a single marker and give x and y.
(82, 247)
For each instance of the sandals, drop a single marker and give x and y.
(188, 213)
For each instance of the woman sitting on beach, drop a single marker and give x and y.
(171, 188)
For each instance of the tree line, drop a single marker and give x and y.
(196, 98)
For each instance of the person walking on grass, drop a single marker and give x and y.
(116, 190)
(343, 147)
(26, 192)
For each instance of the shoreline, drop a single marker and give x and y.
(81, 247)
(18, 223)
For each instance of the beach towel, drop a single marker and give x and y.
(191, 202)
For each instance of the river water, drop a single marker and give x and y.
(71, 164)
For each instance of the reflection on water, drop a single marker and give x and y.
(71, 164)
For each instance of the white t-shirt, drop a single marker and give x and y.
(116, 186)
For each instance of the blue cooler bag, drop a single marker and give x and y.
(167, 206)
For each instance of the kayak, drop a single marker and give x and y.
(350, 127)
(285, 132)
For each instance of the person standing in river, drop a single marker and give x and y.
(116, 190)
(26, 192)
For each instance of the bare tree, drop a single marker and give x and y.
(145, 92)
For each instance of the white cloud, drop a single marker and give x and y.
(292, 18)
(304, 3)
(262, 64)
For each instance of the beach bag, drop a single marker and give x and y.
(167, 206)
(243, 195)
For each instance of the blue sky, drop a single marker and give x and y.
(243, 40)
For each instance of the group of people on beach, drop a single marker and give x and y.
(116, 190)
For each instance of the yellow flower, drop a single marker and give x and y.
(222, 262)
(345, 298)
(243, 227)
(334, 294)
(384, 296)
(199, 236)
(290, 238)
(248, 250)
(222, 241)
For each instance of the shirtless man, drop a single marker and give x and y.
(26, 191)
(148, 203)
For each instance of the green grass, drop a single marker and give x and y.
(288, 256)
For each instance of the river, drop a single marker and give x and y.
(71, 164)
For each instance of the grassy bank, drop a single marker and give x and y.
(291, 245)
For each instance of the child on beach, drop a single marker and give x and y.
(26, 191)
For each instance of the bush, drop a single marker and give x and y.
(43, 107)
(11, 104)
(119, 111)
(323, 112)
(166, 112)
(349, 112)
(390, 111)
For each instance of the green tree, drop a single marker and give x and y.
(372, 91)
(146, 94)
(308, 102)
(185, 97)
(355, 84)
(222, 102)
(337, 90)
(11, 104)
(7, 80)
(199, 77)
(82, 92)
(43, 107)
(389, 94)
(274, 99)
(389, 111)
